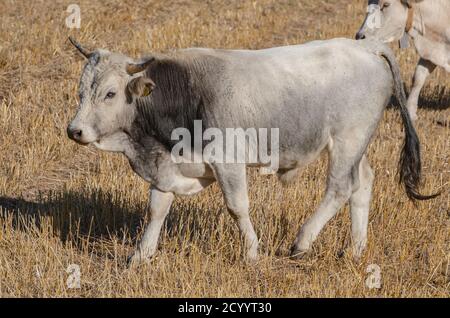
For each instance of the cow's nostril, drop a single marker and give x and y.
(360, 36)
(74, 134)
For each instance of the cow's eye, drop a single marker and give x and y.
(385, 5)
(110, 95)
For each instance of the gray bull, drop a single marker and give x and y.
(427, 22)
(317, 94)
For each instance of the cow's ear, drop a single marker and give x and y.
(140, 87)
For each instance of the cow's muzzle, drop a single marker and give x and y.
(75, 134)
(360, 36)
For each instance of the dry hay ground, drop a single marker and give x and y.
(64, 204)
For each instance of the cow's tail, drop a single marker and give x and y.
(409, 166)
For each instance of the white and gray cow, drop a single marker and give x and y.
(317, 94)
(426, 22)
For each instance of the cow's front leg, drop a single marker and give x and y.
(159, 208)
(233, 182)
(423, 70)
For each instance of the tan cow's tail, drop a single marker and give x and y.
(409, 166)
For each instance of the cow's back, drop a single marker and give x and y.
(305, 90)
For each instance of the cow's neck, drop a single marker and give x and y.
(148, 157)
(146, 148)
(176, 101)
(428, 21)
(428, 33)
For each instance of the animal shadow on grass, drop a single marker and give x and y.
(99, 216)
(96, 216)
(436, 98)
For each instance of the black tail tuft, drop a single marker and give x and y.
(410, 166)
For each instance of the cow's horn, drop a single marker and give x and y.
(82, 50)
(136, 68)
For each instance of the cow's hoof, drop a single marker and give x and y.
(297, 254)
(137, 260)
(357, 253)
(251, 260)
(357, 257)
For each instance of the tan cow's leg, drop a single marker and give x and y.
(423, 70)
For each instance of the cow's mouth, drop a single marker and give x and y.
(81, 142)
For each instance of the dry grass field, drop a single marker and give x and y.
(63, 204)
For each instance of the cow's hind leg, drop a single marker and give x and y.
(423, 70)
(359, 205)
(344, 153)
(233, 183)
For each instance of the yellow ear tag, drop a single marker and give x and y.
(146, 91)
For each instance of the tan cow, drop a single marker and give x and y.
(426, 22)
